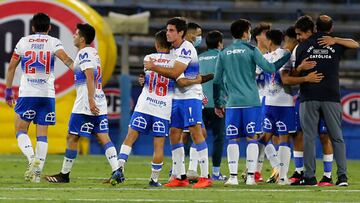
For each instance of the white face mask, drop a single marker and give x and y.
(197, 41)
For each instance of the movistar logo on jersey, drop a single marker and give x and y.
(185, 52)
(235, 51)
(83, 56)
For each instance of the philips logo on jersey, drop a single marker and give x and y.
(36, 81)
(235, 51)
(156, 102)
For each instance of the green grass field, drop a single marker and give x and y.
(89, 172)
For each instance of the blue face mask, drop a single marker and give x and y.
(197, 41)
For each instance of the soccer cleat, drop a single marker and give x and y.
(177, 183)
(296, 178)
(308, 181)
(58, 178)
(250, 180)
(274, 177)
(36, 171)
(284, 181)
(342, 181)
(152, 183)
(192, 176)
(258, 177)
(117, 177)
(219, 177)
(203, 183)
(325, 181)
(232, 181)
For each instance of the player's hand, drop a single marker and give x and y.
(205, 100)
(326, 41)
(306, 65)
(141, 79)
(314, 77)
(207, 77)
(149, 64)
(93, 108)
(9, 97)
(220, 112)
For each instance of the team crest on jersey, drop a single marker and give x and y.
(281, 127)
(158, 127)
(250, 127)
(29, 114)
(232, 130)
(50, 117)
(139, 122)
(104, 124)
(87, 127)
(267, 124)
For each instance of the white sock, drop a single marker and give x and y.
(271, 154)
(261, 157)
(41, 150)
(123, 155)
(203, 159)
(233, 156)
(328, 159)
(25, 145)
(179, 160)
(194, 158)
(110, 153)
(155, 171)
(284, 155)
(252, 153)
(69, 159)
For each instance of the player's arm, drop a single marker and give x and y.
(184, 82)
(9, 97)
(267, 66)
(303, 66)
(61, 54)
(89, 73)
(287, 79)
(217, 87)
(172, 73)
(346, 42)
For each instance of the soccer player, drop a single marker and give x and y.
(36, 102)
(237, 64)
(186, 110)
(193, 34)
(89, 113)
(153, 109)
(207, 63)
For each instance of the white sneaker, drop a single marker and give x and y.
(250, 180)
(36, 172)
(232, 181)
(284, 181)
(28, 175)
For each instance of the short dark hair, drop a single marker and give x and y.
(259, 29)
(179, 23)
(305, 23)
(276, 36)
(87, 31)
(290, 32)
(324, 23)
(160, 38)
(239, 27)
(41, 22)
(193, 26)
(213, 38)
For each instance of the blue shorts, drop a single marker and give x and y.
(241, 122)
(279, 120)
(186, 129)
(147, 124)
(321, 126)
(39, 110)
(262, 110)
(86, 125)
(186, 112)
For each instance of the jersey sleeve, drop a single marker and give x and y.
(57, 45)
(17, 50)
(86, 61)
